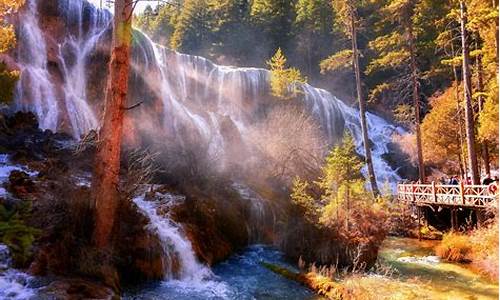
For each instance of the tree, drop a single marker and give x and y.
(283, 79)
(105, 182)
(8, 78)
(397, 49)
(469, 114)
(312, 28)
(346, 12)
(441, 129)
(342, 182)
(273, 18)
(191, 26)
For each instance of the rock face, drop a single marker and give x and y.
(213, 220)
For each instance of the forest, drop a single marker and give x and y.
(249, 149)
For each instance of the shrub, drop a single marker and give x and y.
(454, 247)
(339, 221)
(14, 232)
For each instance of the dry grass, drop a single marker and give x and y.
(480, 247)
(454, 247)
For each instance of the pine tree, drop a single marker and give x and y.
(273, 19)
(312, 28)
(346, 12)
(397, 49)
(283, 79)
(190, 30)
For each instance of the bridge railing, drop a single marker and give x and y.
(477, 196)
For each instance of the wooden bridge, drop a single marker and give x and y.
(460, 195)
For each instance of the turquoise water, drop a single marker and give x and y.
(240, 277)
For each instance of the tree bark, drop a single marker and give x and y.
(107, 161)
(461, 155)
(416, 102)
(480, 87)
(362, 111)
(469, 113)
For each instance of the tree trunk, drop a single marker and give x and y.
(469, 114)
(480, 87)
(461, 155)
(416, 102)
(494, 2)
(362, 111)
(107, 161)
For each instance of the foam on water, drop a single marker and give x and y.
(14, 284)
(192, 275)
(6, 167)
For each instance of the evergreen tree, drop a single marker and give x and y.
(347, 15)
(283, 79)
(467, 85)
(397, 52)
(191, 27)
(312, 29)
(273, 19)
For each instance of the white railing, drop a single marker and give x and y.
(478, 196)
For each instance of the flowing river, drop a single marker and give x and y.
(421, 275)
(240, 277)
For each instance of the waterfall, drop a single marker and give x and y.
(175, 245)
(72, 54)
(261, 213)
(191, 94)
(189, 275)
(35, 91)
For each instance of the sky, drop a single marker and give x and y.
(138, 9)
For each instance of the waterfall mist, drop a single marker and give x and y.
(190, 108)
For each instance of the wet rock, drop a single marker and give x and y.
(76, 289)
(20, 184)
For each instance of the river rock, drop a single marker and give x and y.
(76, 289)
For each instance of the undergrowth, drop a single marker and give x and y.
(479, 246)
(15, 233)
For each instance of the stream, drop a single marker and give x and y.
(240, 277)
(419, 274)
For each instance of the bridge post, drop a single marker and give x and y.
(419, 216)
(434, 196)
(462, 193)
(413, 192)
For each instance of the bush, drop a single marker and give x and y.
(454, 247)
(339, 221)
(480, 247)
(14, 232)
(288, 143)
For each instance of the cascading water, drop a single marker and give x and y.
(192, 91)
(176, 245)
(182, 269)
(261, 214)
(14, 285)
(73, 53)
(35, 90)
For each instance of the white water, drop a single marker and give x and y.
(261, 214)
(35, 91)
(6, 167)
(193, 92)
(14, 285)
(192, 275)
